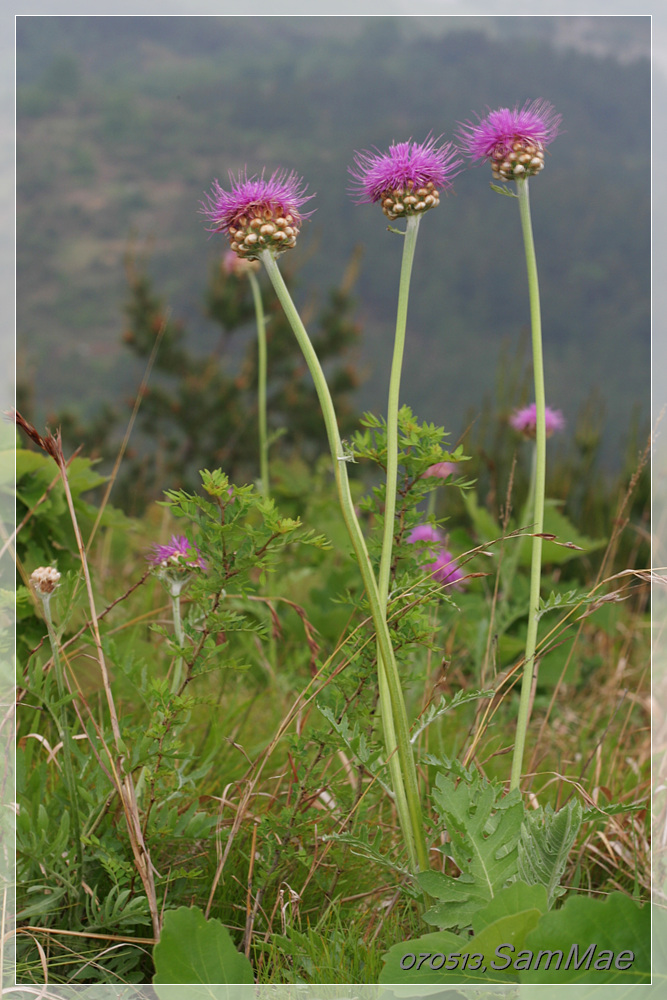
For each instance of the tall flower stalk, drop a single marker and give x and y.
(245, 267)
(397, 733)
(261, 384)
(262, 218)
(44, 581)
(406, 181)
(514, 141)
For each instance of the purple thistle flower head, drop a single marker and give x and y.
(512, 139)
(238, 266)
(445, 569)
(258, 214)
(441, 470)
(443, 566)
(424, 533)
(525, 421)
(407, 179)
(179, 554)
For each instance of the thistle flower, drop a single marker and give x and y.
(441, 470)
(512, 140)
(525, 421)
(258, 214)
(407, 179)
(238, 266)
(179, 554)
(443, 566)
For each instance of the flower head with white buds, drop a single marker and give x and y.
(407, 179)
(512, 140)
(258, 214)
(44, 580)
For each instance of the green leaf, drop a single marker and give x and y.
(546, 841)
(502, 190)
(503, 924)
(613, 926)
(195, 950)
(569, 543)
(437, 709)
(485, 526)
(484, 828)
(439, 943)
(516, 898)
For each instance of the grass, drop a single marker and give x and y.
(249, 789)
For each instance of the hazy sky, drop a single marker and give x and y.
(327, 7)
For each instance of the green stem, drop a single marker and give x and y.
(526, 519)
(178, 629)
(540, 475)
(261, 384)
(407, 789)
(392, 406)
(384, 576)
(64, 733)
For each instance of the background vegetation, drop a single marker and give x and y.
(259, 779)
(123, 123)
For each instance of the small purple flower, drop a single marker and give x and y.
(238, 266)
(441, 470)
(525, 421)
(512, 140)
(178, 554)
(407, 179)
(258, 214)
(424, 533)
(444, 567)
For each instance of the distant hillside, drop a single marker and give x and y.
(123, 123)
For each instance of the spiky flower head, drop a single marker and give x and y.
(258, 214)
(179, 554)
(176, 563)
(407, 179)
(436, 561)
(513, 140)
(525, 421)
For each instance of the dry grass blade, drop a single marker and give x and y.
(52, 445)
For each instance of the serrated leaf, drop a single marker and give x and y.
(544, 846)
(445, 705)
(484, 828)
(192, 949)
(371, 757)
(569, 543)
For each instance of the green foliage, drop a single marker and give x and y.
(546, 840)
(201, 408)
(195, 950)
(484, 828)
(316, 96)
(450, 958)
(614, 925)
(517, 940)
(510, 864)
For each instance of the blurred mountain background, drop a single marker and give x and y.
(123, 122)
